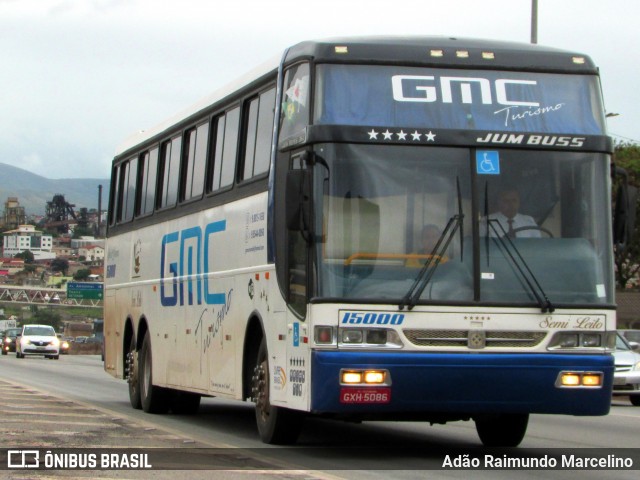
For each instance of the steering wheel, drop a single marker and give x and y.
(531, 227)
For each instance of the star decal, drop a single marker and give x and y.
(401, 136)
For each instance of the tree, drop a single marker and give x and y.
(26, 255)
(627, 255)
(60, 265)
(82, 274)
(46, 316)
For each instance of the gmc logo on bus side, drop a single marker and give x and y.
(184, 273)
(429, 89)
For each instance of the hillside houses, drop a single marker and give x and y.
(85, 253)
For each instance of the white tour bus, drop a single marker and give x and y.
(371, 229)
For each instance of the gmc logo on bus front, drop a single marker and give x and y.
(187, 263)
(424, 88)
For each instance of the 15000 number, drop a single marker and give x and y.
(372, 318)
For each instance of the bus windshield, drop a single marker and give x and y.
(383, 211)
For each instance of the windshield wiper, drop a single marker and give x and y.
(429, 268)
(519, 263)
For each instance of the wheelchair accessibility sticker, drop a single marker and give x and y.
(487, 162)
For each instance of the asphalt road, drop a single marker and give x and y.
(75, 391)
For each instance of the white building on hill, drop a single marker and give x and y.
(26, 237)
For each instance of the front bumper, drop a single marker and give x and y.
(40, 351)
(626, 383)
(466, 383)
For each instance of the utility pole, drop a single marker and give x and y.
(534, 21)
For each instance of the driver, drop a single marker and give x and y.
(508, 216)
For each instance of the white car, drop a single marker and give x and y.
(626, 379)
(38, 340)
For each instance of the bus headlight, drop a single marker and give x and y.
(580, 340)
(325, 336)
(352, 336)
(370, 337)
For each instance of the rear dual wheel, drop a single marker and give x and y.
(131, 374)
(151, 398)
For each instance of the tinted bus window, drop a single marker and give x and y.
(195, 160)
(259, 130)
(148, 177)
(295, 108)
(130, 193)
(230, 148)
(170, 172)
(225, 149)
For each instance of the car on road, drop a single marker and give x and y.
(631, 335)
(626, 379)
(65, 345)
(9, 340)
(38, 340)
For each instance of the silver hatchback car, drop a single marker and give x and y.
(38, 340)
(626, 380)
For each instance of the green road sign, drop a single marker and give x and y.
(85, 291)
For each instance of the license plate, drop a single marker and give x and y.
(365, 395)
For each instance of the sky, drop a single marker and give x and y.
(77, 77)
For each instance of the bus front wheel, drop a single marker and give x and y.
(502, 430)
(276, 425)
(153, 399)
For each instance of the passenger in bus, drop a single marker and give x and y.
(429, 238)
(510, 219)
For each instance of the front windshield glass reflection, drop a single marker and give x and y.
(544, 229)
(382, 212)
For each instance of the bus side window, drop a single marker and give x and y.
(194, 162)
(130, 189)
(169, 172)
(258, 132)
(114, 194)
(295, 102)
(125, 190)
(224, 150)
(146, 192)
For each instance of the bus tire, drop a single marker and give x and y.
(635, 400)
(152, 398)
(185, 403)
(276, 425)
(132, 375)
(502, 430)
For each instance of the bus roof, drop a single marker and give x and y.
(444, 52)
(427, 51)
